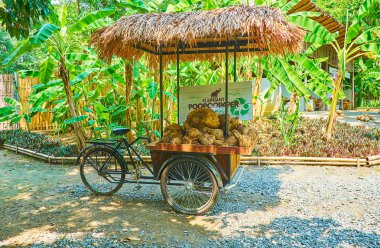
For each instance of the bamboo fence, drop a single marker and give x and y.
(41, 121)
(6, 91)
(20, 89)
(245, 160)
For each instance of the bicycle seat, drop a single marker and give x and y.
(120, 130)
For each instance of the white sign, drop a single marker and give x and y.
(213, 97)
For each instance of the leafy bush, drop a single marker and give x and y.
(371, 104)
(37, 142)
(310, 141)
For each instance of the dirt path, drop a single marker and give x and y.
(45, 205)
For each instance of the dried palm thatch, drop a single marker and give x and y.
(250, 29)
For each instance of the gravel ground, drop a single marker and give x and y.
(349, 117)
(272, 206)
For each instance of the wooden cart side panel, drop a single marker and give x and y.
(158, 159)
(229, 163)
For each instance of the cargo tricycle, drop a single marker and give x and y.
(190, 175)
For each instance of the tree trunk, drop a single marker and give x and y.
(64, 74)
(78, 6)
(331, 119)
(293, 103)
(256, 91)
(128, 87)
(278, 101)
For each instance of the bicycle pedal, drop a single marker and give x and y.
(138, 187)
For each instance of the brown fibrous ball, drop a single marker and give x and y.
(206, 139)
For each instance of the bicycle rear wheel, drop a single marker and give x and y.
(102, 170)
(189, 186)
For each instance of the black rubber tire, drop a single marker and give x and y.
(173, 167)
(109, 153)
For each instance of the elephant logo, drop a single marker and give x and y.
(215, 93)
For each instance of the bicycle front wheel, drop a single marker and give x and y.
(102, 171)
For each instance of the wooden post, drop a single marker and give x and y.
(353, 86)
(235, 74)
(178, 74)
(161, 96)
(226, 97)
(128, 78)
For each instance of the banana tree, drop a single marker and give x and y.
(359, 41)
(59, 39)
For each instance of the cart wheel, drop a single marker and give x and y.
(102, 170)
(189, 186)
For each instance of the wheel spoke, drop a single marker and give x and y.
(106, 180)
(197, 189)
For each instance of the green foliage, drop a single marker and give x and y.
(75, 119)
(367, 82)
(98, 87)
(91, 18)
(7, 45)
(371, 104)
(287, 123)
(14, 112)
(19, 17)
(38, 143)
(338, 9)
(309, 140)
(46, 70)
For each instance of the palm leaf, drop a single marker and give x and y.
(82, 76)
(11, 101)
(77, 56)
(63, 15)
(152, 89)
(353, 31)
(373, 48)
(90, 18)
(366, 5)
(43, 33)
(137, 5)
(75, 119)
(314, 27)
(313, 69)
(46, 70)
(369, 35)
(22, 48)
(289, 77)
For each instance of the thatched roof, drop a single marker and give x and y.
(248, 29)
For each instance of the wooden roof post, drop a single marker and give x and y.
(353, 86)
(235, 66)
(226, 97)
(178, 82)
(161, 96)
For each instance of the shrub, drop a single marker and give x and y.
(310, 141)
(38, 142)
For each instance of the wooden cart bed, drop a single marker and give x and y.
(228, 158)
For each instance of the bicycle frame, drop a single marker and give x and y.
(131, 150)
